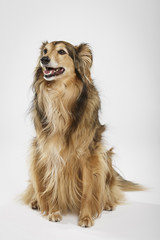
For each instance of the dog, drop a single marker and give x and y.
(70, 167)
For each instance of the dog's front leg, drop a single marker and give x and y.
(93, 190)
(85, 218)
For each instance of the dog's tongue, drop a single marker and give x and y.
(53, 71)
(49, 71)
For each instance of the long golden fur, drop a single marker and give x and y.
(70, 168)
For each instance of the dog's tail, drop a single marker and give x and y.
(126, 185)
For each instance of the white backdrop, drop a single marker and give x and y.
(124, 36)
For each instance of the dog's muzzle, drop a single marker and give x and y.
(48, 71)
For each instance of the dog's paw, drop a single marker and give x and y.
(109, 207)
(55, 217)
(34, 205)
(86, 222)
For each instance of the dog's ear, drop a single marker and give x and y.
(84, 61)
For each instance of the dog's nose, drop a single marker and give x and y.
(45, 60)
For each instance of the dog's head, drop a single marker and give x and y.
(61, 59)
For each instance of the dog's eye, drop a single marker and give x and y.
(62, 52)
(45, 51)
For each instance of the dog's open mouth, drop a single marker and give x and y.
(53, 72)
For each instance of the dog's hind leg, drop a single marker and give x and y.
(29, 197)
(113, 197)
(34, 205)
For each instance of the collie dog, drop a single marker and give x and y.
(70, 167)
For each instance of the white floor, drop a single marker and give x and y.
(136, 221)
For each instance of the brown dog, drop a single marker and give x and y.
(70, 168)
